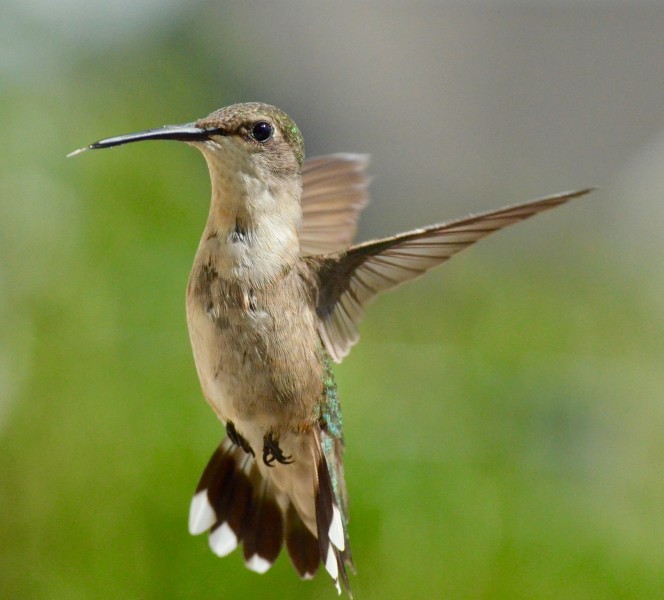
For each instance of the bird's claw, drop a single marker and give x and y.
(237, 439)
(272, 452)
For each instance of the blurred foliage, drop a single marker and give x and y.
(503, 420)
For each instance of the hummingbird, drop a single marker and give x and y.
(275, 295)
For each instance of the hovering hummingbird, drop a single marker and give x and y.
(276, 292)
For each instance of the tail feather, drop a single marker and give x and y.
(202, 515)
(236, 504)
(223, 466)
(264, 530)
(239, 503)
(230, 501)
(302, 545)
(331, 528)
(222, 486)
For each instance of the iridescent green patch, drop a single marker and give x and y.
(331, 407)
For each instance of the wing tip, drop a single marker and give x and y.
(362, 160)
(572, 194)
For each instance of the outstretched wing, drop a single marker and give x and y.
(349, 280)
(334, 191)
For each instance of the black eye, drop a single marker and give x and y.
(261, 131)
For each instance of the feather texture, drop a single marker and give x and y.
(351, 279)
(240, 503)
(334, 192)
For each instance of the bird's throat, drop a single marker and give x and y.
(251, 231)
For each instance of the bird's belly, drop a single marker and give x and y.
(253, 370)
(226, 368)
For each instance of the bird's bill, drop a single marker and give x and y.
(188, 132)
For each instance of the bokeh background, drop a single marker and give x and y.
(504, 416)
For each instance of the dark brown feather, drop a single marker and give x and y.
(219, 479)
(240, 501)
(302, 545)
(264, 526)
(325, 503)
(213, 468)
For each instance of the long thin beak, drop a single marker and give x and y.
(182, 133)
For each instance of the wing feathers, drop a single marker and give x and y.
(350, 280)
(334, 191)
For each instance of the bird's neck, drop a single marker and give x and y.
(251, 233)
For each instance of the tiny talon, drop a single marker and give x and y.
(268, 459)
(272, 452)
(237, 439)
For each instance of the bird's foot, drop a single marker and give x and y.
(237, 439)
(272, 451)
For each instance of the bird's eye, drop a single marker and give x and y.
(261, 131)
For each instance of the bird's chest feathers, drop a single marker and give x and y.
(251, 233)
(227, 304)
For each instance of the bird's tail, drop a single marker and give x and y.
(331, 511)
(238, 502)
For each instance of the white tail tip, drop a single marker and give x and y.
(201, 514)
(331, 563)
(223, 540)
(336, 531)
(258, 564)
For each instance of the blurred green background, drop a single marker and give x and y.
(504, 416)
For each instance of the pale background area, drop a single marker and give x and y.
(504, 416)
